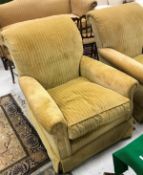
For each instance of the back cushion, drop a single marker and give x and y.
(48, 49)
(22, 10)
(119, 27)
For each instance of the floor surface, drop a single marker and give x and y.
(98, 164)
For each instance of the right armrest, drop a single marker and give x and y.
(123, 62)
(42, 105)
(108, 77)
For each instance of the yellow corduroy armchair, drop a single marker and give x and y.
(23, 10)
(77, 105)
(119, 38)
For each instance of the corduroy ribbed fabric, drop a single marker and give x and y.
(119, 132)
(119, 28)
(19, 10)
(119, 37)
(83, 102)
(57, 53)
(123, 62)
(139, 58)
(99, 73)
(133, 67)
(77, 144)
(50, 51)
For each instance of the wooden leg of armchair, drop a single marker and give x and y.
(8, 65)
(11, 67)
(5, 64)
(92, 50)
(61, 171)
(63, 174)
(96, 52)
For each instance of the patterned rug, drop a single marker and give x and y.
(21, 150)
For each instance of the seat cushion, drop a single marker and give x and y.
(86, 106)
(139, 58)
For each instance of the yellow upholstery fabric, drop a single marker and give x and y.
(108, 25)
(123, 62)
(51, 63)
(81, 7)
(134, 68)
(78, 143)
(121, 131)
(139, 58)
(19, 10)
(120, 41)
(48, 55)
(23, 10)
(121, 83)
(4, 51)
(47, 139)
(47, 112)
(82, 104)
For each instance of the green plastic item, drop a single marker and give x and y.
(131, 155)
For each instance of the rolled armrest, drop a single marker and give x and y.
(108, 77)
(42, 105)
(123, 62)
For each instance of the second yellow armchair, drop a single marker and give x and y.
(119, 36)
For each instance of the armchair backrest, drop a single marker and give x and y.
(22, 10)
(120, 28)
(47, 49)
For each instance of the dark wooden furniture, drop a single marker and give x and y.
(89, 43)
(7, 63)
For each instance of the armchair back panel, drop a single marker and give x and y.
(22, 10)
(51, 57)
(120, 28)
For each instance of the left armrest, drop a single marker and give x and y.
(108, 77)
(42, 105)
(47, 113)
